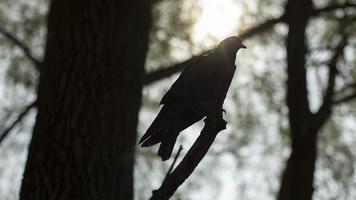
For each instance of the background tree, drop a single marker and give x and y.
(91, 73)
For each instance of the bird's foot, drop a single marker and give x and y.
(217, 122)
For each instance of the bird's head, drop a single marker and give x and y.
(230, 46)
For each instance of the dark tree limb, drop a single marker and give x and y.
(325, 109)
(345, 99)
(36, 62)
(331, 8)
(265, 26)
(164, 72)
(18, 120)
(20, 44)
(351, 85)
(191, 160)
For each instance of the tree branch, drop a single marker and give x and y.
(265, 26)
(345, 99)
(164, 72)
(347, 87)
(325, 109)
(19, 119)
(36, 62)
(191, 160)
(330, 8)
(26, 50)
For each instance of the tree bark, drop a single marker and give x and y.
(88, 101)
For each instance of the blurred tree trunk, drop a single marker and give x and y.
(297, 180)
(88, 101)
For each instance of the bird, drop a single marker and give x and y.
(202, 86)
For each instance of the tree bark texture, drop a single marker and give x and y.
(297, 180)
(88, 101)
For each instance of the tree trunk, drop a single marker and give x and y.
(298, 177)
(297, 180)
(88, 101)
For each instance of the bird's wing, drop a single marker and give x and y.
(191, 79)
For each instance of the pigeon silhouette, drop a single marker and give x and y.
(202, 86)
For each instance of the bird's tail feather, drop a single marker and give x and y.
(153, 134)
(165, 130)
(167, 145)
(158, 129)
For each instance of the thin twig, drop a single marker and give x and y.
(174, 162)
(345, 99)
(18, 119)
(36, 62)
(348, 86)
(330, 8)
(325, 109)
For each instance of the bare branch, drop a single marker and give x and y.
(325, 110)
(191, 160)
(345, 99)
(164, 72)
(18, 119)
(346, 88)
(351, 85)
(265, 26)
(330, 8)
(36, 62)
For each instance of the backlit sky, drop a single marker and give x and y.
(217, 20)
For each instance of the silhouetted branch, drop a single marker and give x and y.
(349, 97)
(325, 109)
(36, 62)
(18, 119)
(346, 88)
(191, 160)
(345, 99)
(351, 85)
(261, 27)
(22, 46)
(316, 12)
(164, 72)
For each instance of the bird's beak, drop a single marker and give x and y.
(243, 46)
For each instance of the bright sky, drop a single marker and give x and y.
(217, 20)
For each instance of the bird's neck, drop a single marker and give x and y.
(228, 57)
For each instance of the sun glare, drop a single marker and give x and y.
(218, 19)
